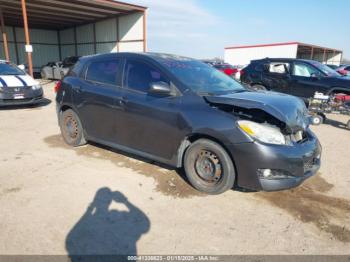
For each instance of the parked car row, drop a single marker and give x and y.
(232, 71)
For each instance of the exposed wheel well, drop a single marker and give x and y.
(65, 108)
(193, 138)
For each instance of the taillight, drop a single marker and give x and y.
(58, 86)
(229, 71)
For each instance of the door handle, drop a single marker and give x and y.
(123, 101)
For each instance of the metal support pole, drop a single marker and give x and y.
(312, 53)
(4, 37)
(75, 41)
(26, 32)
(324, 56)
(145, 31)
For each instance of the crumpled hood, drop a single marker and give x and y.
(288, 109)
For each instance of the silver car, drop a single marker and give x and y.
(57, 70)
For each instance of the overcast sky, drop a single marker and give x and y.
(202, 28)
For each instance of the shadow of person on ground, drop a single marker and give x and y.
(105, 231)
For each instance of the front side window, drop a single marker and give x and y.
(103, 72)
(305, 70)
(140, 76)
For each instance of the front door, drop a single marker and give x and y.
(306, 80)
(150, 122)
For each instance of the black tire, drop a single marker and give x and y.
(71, 128)
(258, 87)
(203, 157)
(317, 120)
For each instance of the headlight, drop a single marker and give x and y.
(36, 87)
(264, 133)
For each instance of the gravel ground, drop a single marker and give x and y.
(59, 200)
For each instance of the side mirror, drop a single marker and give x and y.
(22, 67)
(315, 76)
(160, 88)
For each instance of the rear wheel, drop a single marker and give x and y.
(208, 167)
(71, 128)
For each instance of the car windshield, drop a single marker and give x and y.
(202, 78)
(10, 69)
(325, 69)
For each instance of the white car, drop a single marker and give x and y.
(57, 70)
(17, 87)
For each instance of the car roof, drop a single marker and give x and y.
(283, 60)
(155, 56)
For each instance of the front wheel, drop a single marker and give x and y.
(208, 167)
(71, 128)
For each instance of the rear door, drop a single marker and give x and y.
(150, 122)
(96, 98)
(276, 77)
(306, 80)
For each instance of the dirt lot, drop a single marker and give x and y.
(57, 200)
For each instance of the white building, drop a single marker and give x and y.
(242, 55)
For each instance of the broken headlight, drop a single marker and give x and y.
(263, 132)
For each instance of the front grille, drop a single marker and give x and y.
(15, 89)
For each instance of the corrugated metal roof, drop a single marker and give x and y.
(59, 14)
(282, 44)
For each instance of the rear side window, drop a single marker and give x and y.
(139, 76)
(76, 69)
(347, 68)
(279, 68)
(103, 72)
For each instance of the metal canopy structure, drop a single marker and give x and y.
(60, 14)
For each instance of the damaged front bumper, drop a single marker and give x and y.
(292, 164)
